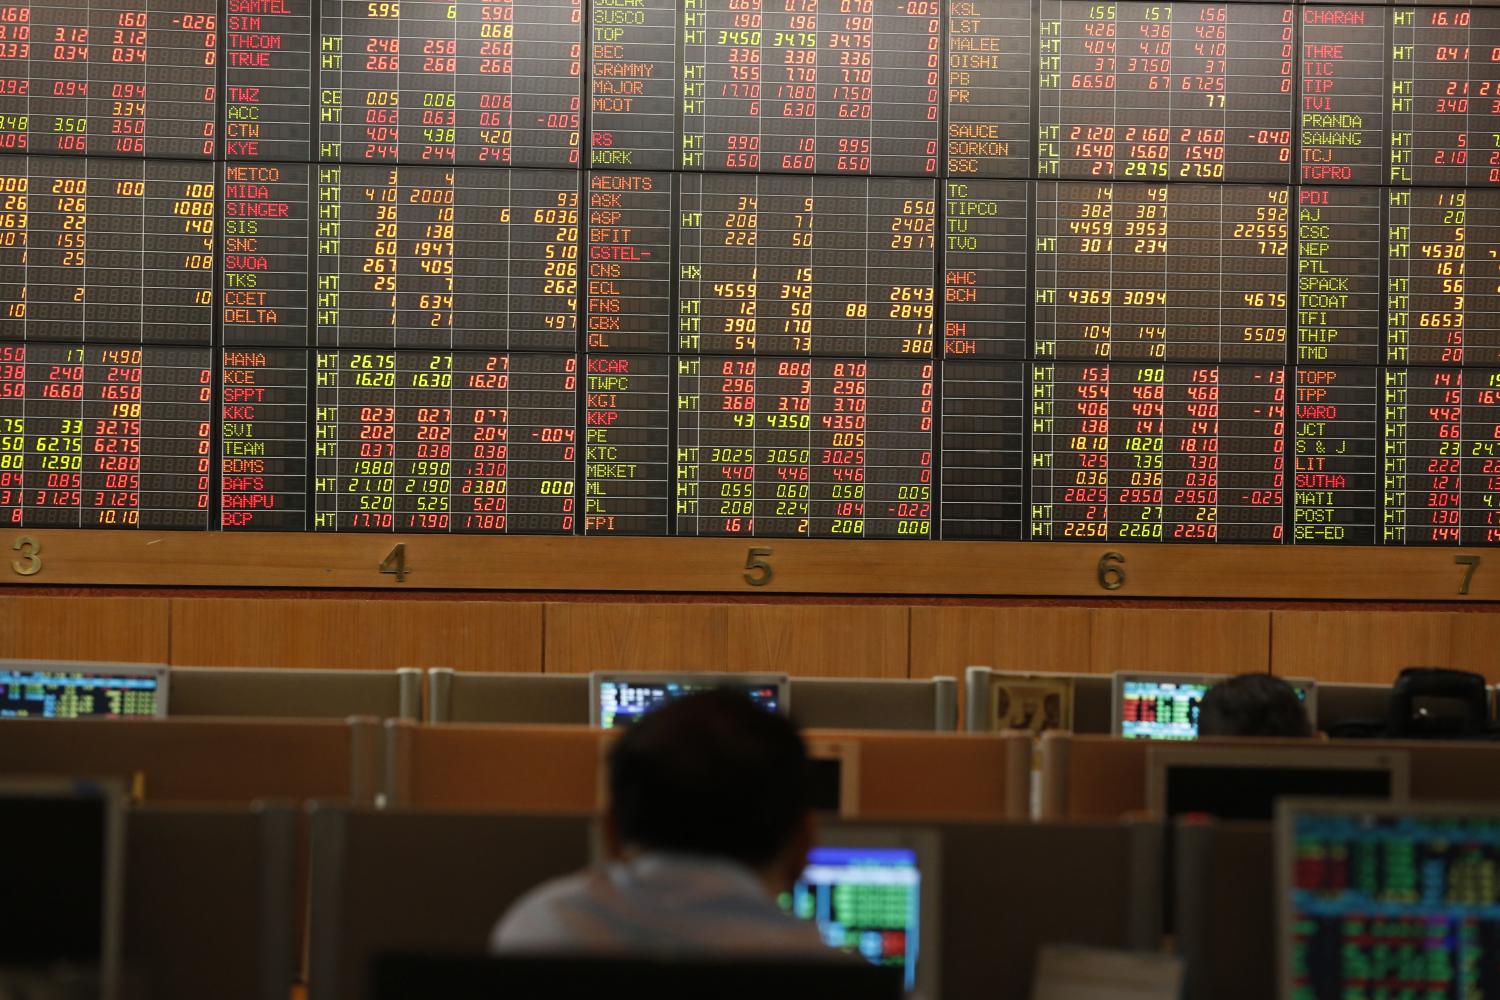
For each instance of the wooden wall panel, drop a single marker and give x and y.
(586, 636)
(1181, 639)
(817, 640)
(1362, 646)
(122, 629)
(820, 640)
(1476, 643)
(945, 640)
(875, 640)
(465, 635)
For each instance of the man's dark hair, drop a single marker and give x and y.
(1253, 705)
(712, 773)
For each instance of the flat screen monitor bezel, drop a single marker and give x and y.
(88, 668)
(846, 754)
(111, 794)
(1164, 755)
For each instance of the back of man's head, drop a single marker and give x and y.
(1253, 705)
(710, 774)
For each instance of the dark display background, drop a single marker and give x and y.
(1011, 269)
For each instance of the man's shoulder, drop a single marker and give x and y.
(583, 882)
(659, 905)
(541, 916)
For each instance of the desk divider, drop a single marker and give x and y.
(211, 904)
(292, 693)
(1009, 888)
(395, 879)
(536, 768)
(552, 769)
(510, 698)
(1224, 887)
(1104, 777)
(204, 760)
(440, 879)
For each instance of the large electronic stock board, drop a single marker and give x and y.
(978, 269)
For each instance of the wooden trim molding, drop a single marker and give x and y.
(759, 566)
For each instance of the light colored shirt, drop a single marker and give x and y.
(658, 905)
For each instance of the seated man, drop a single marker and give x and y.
(1253, 705)
(708, 822)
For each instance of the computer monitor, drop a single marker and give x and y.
(1022, 702)
(1243, 782)
(63, 848)
(619, 699)
(582, 977)
(1159, 706)
(1165, 706)
(1387, 900)
(833, 777)
(55, 689)
(874, 893)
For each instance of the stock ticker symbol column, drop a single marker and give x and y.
(267, 73)
(1343, 94)
(1336, 421)
(632, 86)
(263, 455)
(628, 318)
